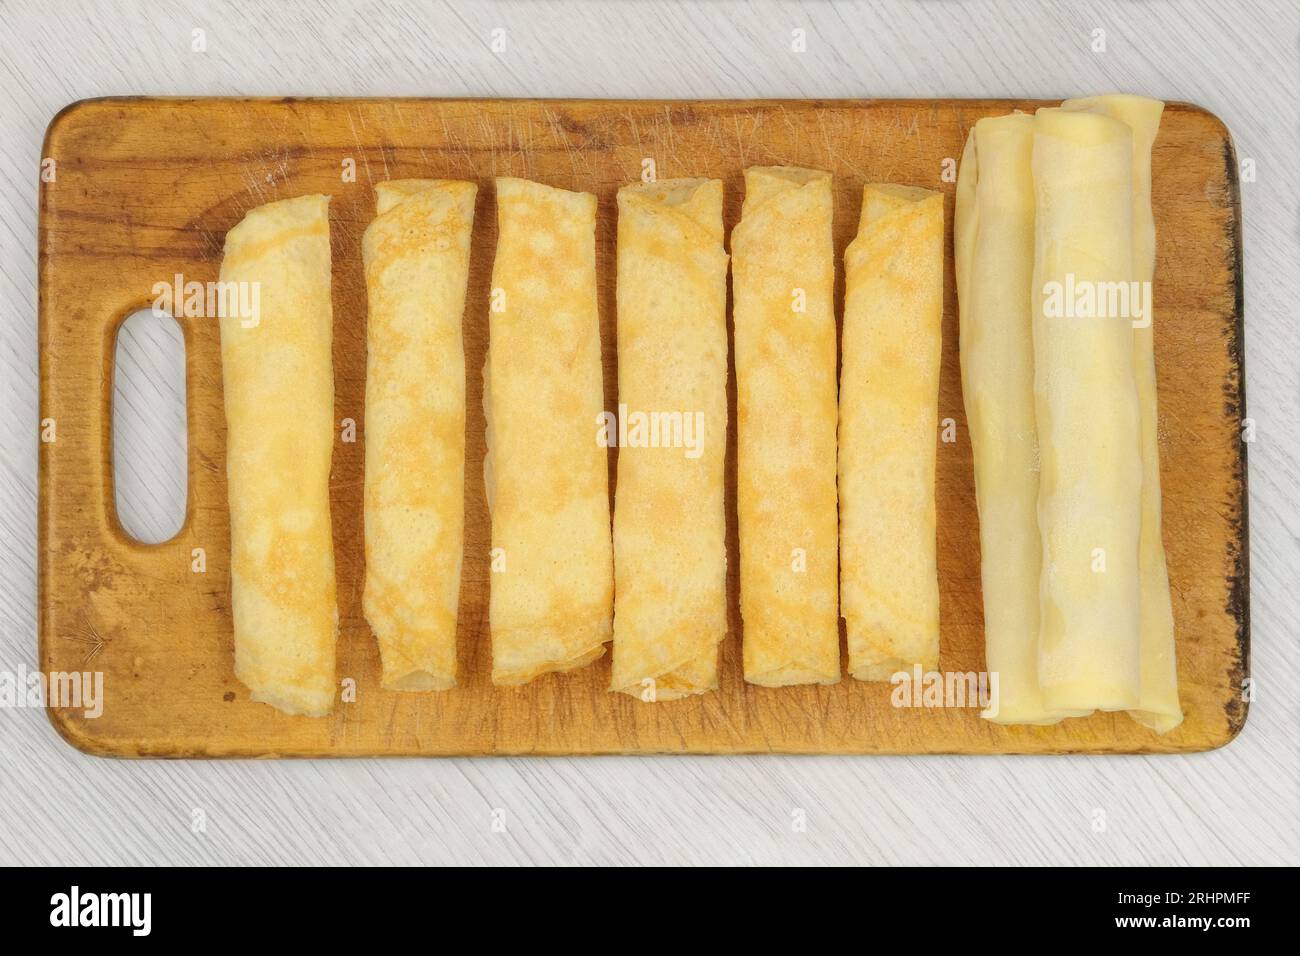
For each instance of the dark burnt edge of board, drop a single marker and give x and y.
(1234, 392)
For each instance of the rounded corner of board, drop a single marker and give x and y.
(77, 735)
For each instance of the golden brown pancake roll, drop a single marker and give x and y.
(670, 552)
(783, 285)
(416, 256)
(278, 380)
(546, 472)
(889, 399)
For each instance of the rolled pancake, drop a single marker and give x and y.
(783, 286)
(546, 473)
(670, 552)
(993, 241)
(1086, 403)
(278, 382)
(1159, 708)
(889, 401)
(416, 255)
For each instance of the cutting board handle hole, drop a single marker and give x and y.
(150, 437)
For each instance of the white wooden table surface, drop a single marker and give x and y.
(1239, 804)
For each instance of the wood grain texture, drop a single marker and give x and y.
(116, 222)
(1235, 805)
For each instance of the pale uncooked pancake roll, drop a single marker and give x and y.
(783, 284)
(670, 552)
(278, 380)
(1086, 403)
(1159, 708)
(546, 472)
(416, 255)
(889, 397)
(993, 240)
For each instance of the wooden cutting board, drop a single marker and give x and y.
(147, 188)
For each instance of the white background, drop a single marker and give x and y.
(1239, 804)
